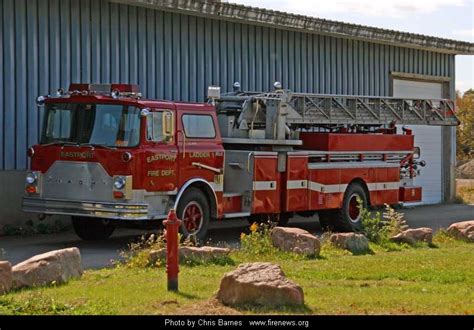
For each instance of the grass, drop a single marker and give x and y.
(422, 280)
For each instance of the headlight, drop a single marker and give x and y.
(119, 183)
(31, 178)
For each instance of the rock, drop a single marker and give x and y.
(295, 240)
(204, 254)
(259, 284)
(52, 267)
(6, 278)
(463, 230)
(355, 243)
(412, 236)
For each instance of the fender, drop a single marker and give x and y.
(187, 185)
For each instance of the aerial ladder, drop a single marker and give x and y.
(276, 117)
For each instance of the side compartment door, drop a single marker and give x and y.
(297, 175)
(266, 183)
(159, 164)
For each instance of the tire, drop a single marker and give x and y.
(194, 212)
(348, 219)
(92, 229)
(326, 220)
(281, 220)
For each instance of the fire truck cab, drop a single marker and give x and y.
(108, 156)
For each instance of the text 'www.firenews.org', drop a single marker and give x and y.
(235, 323)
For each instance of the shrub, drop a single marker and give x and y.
(31, 228)
(258, 241)
(380, 227)
(444, 237)
(137, 254)
(395, 221)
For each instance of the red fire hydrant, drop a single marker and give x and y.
(172, 249)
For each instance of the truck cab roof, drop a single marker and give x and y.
(117, 93)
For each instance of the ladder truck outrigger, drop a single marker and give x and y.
(107, 156)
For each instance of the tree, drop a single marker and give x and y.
(465, 132)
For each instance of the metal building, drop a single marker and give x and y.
(174, 49)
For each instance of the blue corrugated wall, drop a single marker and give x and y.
(46, 44)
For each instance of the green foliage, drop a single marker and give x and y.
(394, 220)
(374, 228)
(465, 195)
(258, 242)
(443, 237)
(219, 261)
(31, 228)
(37, 303)
(380, 227)
(137, 254)
(465, 132)
(328, 249)
(257, 246)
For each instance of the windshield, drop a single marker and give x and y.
(94, 124)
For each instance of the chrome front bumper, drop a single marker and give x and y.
(106, 210)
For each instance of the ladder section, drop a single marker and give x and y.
(252, 109)
(363, 110)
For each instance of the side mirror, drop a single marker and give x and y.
(145, 112)
(168, 125)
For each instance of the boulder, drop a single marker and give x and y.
(204, 254)
(356, 243)
(295, 240)
(52, 267)
(6, 278)
(412, 236)
(259, 284)
(463, 230)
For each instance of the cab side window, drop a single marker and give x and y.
(155, 127)
(199, 126)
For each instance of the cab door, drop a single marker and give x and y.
(161, 154)
(201, 155)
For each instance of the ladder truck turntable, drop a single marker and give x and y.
(109, 156)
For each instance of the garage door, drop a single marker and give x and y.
(428, 138)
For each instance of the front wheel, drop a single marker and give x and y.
(193, 211)
(92, 229)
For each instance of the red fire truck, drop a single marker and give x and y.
(108, 156)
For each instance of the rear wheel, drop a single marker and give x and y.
(92, 229)
(348, 218)
(325, 220)
(193, 211)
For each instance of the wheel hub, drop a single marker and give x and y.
(354, 211)
(193, 218)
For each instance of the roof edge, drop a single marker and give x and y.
(277, 19)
